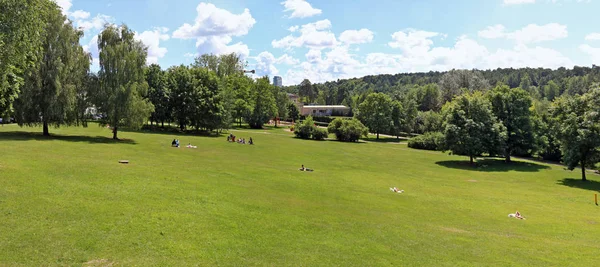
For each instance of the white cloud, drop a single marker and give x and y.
(65, 5)
(314, 35)
(493, 32)
(265, 63)
(152, 40)
(412, 41)
(96, 23)
(593, 36)
(214, 28)
(213, 21)
(593, 52)
(418, 54)
(92, 48)
(192, 55)
(529, 34)
(518, 2)
(293, 28)
(356, 37)
(300, 9)
(80, 14)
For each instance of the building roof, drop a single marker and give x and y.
(292, 95)
(326, 106)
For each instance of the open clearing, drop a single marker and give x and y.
(66, 200)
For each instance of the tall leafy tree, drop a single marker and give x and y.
(397, 117)
(551, 90)
(307, 91)
(293, 112)
(470, 126)
(512, 108)
(263, 103)
(578, 118)
(122, 85)
(281, 102)
(49, 95)
(223, 65)
(158, 93)
(376, 112)
(182, 94)
(452, 83)
(22, 27)
(210, 112)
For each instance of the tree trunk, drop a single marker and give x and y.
(471, 159)
(115, 133)
(377, 135)
(162, 124)
(507, 155)
(583, 171)
(46, 133)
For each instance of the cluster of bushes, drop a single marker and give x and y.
(428, 141)
(348, 130)
(308, 130)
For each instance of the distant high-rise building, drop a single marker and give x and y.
(277, 81)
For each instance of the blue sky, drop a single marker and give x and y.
(328, 40)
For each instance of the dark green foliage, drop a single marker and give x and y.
(376, 112)
(53, 85)
(158, 93)
(305, 129)
(293, 112)
(428, 141)
(348, 130)
(512, 108)
(429, 121)
(319, 133)
(264, 106)
(578, 120)
(471, 128)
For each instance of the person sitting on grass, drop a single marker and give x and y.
(251, 142)
(305, 169)
(175, 143)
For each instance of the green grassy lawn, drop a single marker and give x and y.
(67, 201)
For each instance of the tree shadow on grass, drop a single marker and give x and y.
(493, 165)
(578, 183)
(27, 136)
(385, 139)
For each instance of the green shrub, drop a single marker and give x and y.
(348, 130)
(319, 133)
(428, 141)
(305, 129)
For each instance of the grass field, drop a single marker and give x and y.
(67, 201)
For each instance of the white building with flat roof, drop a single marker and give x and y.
(325, 110)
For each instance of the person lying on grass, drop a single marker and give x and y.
(516, 215)
(190, 146)
(396, 190)
(305, 169)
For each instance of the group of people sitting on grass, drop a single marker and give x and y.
(175, 143)
(232, 138)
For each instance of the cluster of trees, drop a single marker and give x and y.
(45, 79)
(504, 112)
(506, 122)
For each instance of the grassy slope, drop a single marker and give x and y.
(67, 201)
